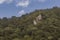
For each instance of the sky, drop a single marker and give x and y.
(10, 8)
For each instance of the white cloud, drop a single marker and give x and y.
(5, 1)
(2, 1)
(41, 0)
(20, 13)
(23, 3)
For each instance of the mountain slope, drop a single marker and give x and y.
(23, 28)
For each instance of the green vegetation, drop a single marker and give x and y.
(22, 28)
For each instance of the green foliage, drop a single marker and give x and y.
(22, 28)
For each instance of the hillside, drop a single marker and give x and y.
(23, 28)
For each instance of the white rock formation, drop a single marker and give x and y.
(34, 22)
(38, 18)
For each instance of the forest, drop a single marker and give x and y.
(23, 28)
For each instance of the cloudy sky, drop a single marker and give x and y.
(10, 8)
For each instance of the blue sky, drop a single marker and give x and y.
(10, 8)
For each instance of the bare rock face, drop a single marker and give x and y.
(38, 18)
(34, 22)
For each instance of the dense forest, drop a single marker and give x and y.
(23, 28)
